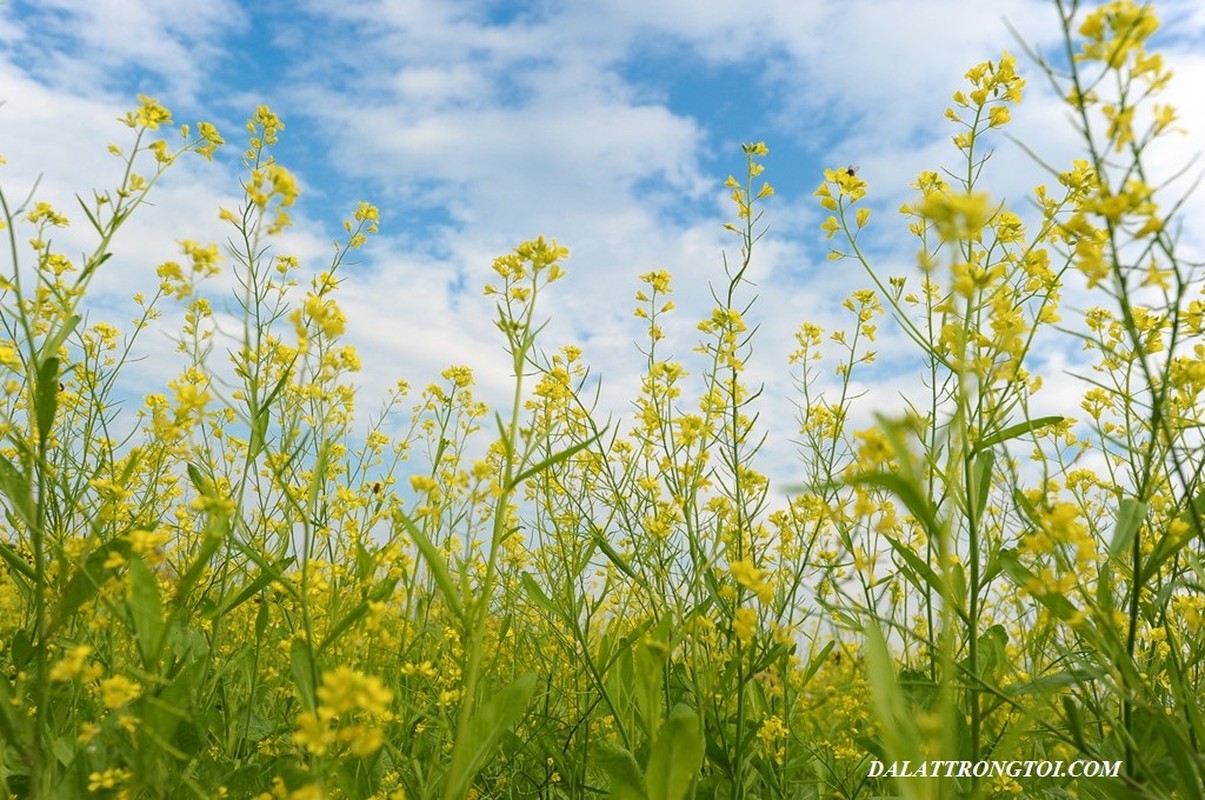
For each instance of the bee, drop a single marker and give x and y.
(376, 488)
(852, 170)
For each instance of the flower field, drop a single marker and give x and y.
(242, 588)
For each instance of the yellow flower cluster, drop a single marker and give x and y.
(352, 706)
(528, 261)
(752, 578)
(1118, 29)
(994, 86)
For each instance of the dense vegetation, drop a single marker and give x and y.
(238, 592)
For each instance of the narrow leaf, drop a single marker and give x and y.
(253, 588)
(47, 399)
(614, 556)
(146, 610)
(551, 461)
(52, 343)
(1130, 514)
(817, 661)
(435, 562)
(301, 664)
(15, 487)
(985, 466)
(476, 744)
(1020, 429)
(908, 493)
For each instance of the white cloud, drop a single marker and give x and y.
(94, 44)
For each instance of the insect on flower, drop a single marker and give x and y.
(852, 170)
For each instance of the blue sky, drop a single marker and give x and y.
(609, 126)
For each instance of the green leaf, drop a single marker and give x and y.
(201, 483)
(901, 739)
(318, 476)
(613, 555)
(215, 526)
(627, 782)
(301, 664)
(22, 649)
(676, 757)
(435, 562)
(50, 347)
(817, 661)
(1014, 431)
(146, 610)
(1021, 576)
(86, 581)
(651, 653)
(993, 653)
(908, 493)
(163, 711)
(1189, 770)
(1130, 514)
(772, 654)
(10, 721)
(47, 400)
(16, 563)
(537, 596)
(1075, 723)
(1167, 546)
(261, 620)
(341, 627)
(260, 416)
(985, 466)
(265, 577)
(476, 744)
(552, 460)
(379, 592)
(15, 486)
(916, 569)
(91, 217)
(365, 563)
(274, 570)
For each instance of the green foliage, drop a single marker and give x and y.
(235, 597)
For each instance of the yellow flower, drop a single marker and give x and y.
(71, 665)
(957, 217)
(44, 212)
(109, 779)
(149, 114)
(213, 140)
(744, 624)
(344, 690)
(118, 690)
(312, 733)
(9, 356)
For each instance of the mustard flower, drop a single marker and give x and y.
(109, 779)
(118, 690)
(71, 665)
(150, 114)
(957, 217)
(744, 624)
(43, 212)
